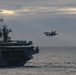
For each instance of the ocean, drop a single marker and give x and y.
(49, 61)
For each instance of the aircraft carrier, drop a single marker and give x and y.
(14, 52)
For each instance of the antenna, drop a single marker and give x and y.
(0, 26)
(1, 19)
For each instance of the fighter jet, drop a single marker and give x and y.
(53, 33)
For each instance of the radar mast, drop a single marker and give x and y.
(4, 31)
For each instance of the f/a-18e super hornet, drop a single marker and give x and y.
(53, 33)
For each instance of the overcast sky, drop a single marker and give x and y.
(29, 19)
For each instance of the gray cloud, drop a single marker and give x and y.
(15, 4)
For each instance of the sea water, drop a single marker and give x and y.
(49, 61)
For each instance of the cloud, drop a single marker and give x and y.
(44, 9)
(8, 12)
(38, 7)
(41, 10)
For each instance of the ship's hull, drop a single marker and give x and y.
(15, 56)
(7, 63)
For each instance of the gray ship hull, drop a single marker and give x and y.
(6, 63)
(16, 55)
